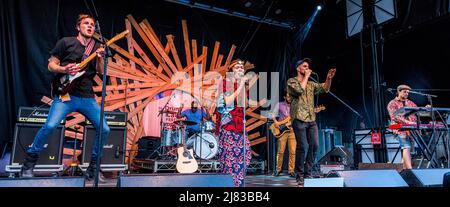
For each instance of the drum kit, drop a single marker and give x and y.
(205, 143)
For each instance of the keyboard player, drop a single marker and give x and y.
(406, 141)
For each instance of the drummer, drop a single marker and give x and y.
(195, 115)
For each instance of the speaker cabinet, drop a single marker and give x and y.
(147, 147)
(49, 158)
(113, 149)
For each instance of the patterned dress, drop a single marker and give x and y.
(232, 142)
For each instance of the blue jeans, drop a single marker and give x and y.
(59, 110)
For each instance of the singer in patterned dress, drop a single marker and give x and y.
(234, 145)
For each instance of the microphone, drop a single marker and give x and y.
(391, 90)
(312, 72)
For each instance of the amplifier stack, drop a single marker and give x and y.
(31, 119)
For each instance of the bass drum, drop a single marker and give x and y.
(205, 147)
(209, 126)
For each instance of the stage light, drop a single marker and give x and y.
(278, 11)
(319, 7)
(248, 4)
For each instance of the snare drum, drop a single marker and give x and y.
(171, 137)
(205, 147)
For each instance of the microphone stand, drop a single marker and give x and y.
(244, 133)
(433, 120)
(161, 131)
(345, 104)
(102, 107)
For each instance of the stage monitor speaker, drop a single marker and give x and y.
(339, 155)
(446, 182)
(113, 148)
(371, 178)
(176, 180)
(324, 182)
(424, 177)
(43, 182)
(147, 147)
(23, 138)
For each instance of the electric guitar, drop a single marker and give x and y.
(285, 125)
(66, 82)
(186, 162)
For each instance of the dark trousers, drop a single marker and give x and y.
(307, 136)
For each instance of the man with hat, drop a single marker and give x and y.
(406, 141)
(303, 117)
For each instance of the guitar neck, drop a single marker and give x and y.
(84, 63)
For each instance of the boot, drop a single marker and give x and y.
(28, 165)
(90, 172)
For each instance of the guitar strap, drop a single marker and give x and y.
(87, 52)
(89, 48)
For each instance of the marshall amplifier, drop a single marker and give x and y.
(33, 115)
(113, 158)
(114, 118)
(50, 157)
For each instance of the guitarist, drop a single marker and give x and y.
(80, 98)
(303, 115)
(283, 119)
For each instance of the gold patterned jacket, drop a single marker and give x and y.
(302, 100)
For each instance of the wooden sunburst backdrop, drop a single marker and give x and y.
(136, 77)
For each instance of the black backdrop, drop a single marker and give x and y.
(29, 30)
(415, 48)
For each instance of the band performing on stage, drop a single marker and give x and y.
(142, 107)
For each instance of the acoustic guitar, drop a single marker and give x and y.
(186, 162)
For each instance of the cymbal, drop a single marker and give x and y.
(185, 122)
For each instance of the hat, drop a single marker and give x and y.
(299, 62)
(403, 87)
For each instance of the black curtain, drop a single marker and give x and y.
(30, 29)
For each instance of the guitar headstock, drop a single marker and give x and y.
(117, 37)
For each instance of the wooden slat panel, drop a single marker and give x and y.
(194, 50)
(74, 135)
(251, 121)
(219, 61)
(187, 48)
(150, 68)
(253, 136)
(214, 56)
(147, 41)
(142, 54)
(165, 59)
(130, 41)
(130, 86)
(255, 125)
(205, 59)
(258, 141)
(230, 56)
(174, 52)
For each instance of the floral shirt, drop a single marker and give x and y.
(230, 116)
(302, 100)
(393, 106)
